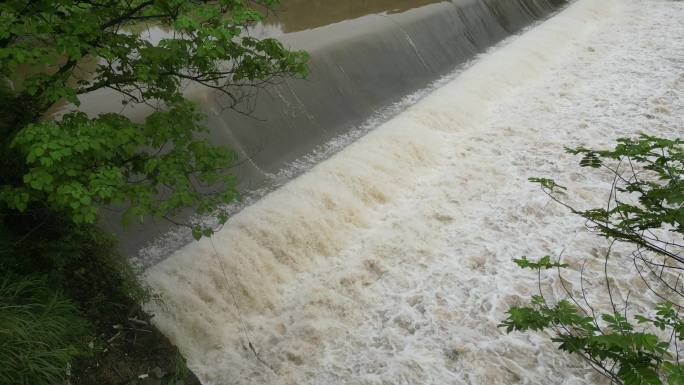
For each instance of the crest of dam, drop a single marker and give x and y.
(358, 68)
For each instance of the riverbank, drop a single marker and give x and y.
(130, 350)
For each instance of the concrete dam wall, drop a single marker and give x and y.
(359, 68)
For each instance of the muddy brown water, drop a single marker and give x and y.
(300, 15)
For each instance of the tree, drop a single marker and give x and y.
(645, 210)
(77, 164)
(65, 280)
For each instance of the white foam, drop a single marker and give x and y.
(390, 262)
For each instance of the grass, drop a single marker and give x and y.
(70, 310)
(41, 332)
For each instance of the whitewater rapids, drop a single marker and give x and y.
(390, 262)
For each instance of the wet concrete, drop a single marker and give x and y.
(358, 67)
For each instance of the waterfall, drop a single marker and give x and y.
(363, 71)
(389, 262)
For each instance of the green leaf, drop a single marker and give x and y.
(197, 233)
(543, 263)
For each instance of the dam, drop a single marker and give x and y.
(369, 60)
(391, 193)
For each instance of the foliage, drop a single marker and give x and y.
(78, 164)
(645, 202)
(655, 167)
(208, 45)
(40, 332)
(59, 171)
(79, 260)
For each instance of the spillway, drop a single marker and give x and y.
(369, 60)
(390, 262)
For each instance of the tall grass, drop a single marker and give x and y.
(41, 332)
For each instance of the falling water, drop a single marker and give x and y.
(390, 262)
(362, 70)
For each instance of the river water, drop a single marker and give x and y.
(300, 15)
(390, 262)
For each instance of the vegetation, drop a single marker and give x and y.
(645, 211)
(40, 331)
(57, 172)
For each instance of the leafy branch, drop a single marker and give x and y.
(76, 165)
(644, 206)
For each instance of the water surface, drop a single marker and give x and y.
(390, 262)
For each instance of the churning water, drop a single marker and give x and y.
(390, 263)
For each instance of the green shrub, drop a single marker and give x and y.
(41, 332)
(78, 259)
(645, 211)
